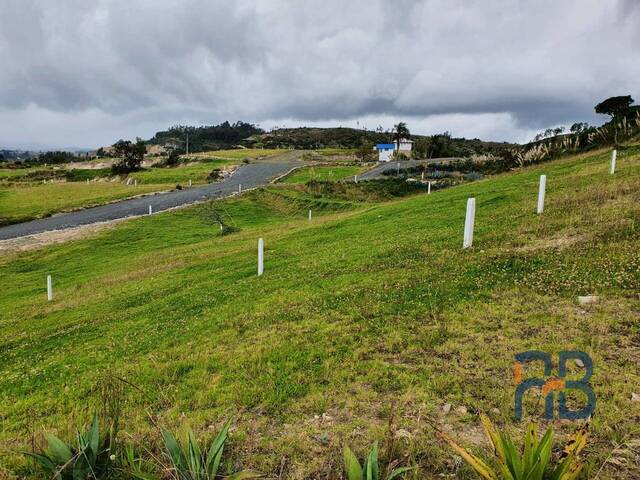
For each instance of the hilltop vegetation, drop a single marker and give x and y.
(368, 316)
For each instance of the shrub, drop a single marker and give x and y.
(533, 463)
(191, 462)
(215, 175)
(90, 458)
(371, 469)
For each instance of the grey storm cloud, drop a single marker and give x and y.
(78, 72)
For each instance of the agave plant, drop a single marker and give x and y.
(89, 458)
(533, 463)
(190, 462)
(370, 470)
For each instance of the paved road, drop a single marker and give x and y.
(249, 176)
(377, 171)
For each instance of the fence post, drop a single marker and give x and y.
(614, 156)
(239, 188)
(429, 188)
(189, 182)
(260, 256)
(541, 191)
(309, 215)
(469, 222)
(49, 288)
(355, 178)
(150, 209)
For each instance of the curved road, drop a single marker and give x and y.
(249, 176)
(378, 170)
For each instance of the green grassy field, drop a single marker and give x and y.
(20, 203)
(10, 173)
(370, 310)
(328, 173)
(196, 172)
(238, 154)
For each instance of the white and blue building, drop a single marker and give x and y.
(385, 150)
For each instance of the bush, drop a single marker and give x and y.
(371, 469)
(533, 463)
(90, 458)
(215, 175)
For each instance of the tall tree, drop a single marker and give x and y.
(400, 131)
(614, 106)
(131, 155)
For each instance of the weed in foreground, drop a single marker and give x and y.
(533, 463)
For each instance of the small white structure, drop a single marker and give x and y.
(614, 156)
(541, 192)
(469, 223)
(406, 145)
(260, 256)
(385, 150)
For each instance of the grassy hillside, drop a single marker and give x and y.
(370, 310)
(329, 173)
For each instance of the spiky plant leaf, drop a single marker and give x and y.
(351, 465)
(58, 450)
(175, 452)
(46, 463)
(215, 452)
(398, 471)
(492, 436)
(478, 465)
(194, 457)
(530, 446)
(512, 456)
(244, 475)
(373, 472)
(93, 435)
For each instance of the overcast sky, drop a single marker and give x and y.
(86, 73)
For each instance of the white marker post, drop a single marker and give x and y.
(135, 183)
(541, 191)
(49, 288)
(309, 215)
(422, 176)
(355, 178)
(614, 156)
(469, 222)
(260, 256)
(429, 188)
(239, 188)
(189, 183)
(150, 209)
(221, 228)
(87, 181)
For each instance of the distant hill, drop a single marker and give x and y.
(199, 139)
(241, 134)
(13, 155)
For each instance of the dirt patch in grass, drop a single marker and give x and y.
(557, 243)
(39, 240)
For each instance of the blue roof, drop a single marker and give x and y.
(385, 146)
